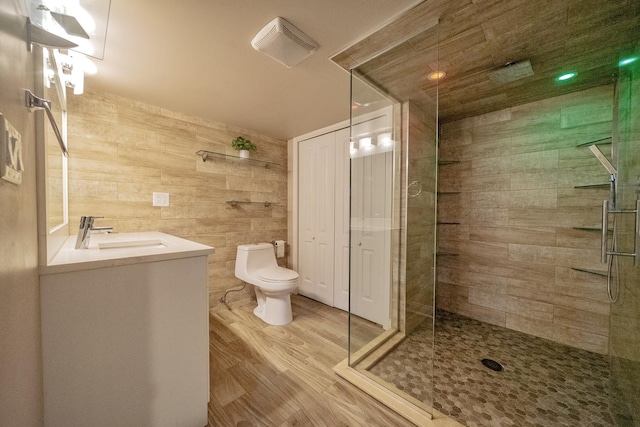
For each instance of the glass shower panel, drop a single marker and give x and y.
(393, 218)
(372, 149)
(624, 335)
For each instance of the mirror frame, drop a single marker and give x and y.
(50, 238)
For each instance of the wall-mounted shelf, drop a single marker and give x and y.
(603, 141)
(594, 186)
(448, 223)
(206, 155)
(447, 192)
(595, 229)
(234, 203)
(448, 162)
(594, 272)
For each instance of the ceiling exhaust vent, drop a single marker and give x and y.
(511, 72)
(285, 43)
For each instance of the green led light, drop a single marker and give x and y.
(566, 76)
(627, 61)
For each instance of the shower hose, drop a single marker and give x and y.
(613, 284)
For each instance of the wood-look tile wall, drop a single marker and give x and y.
(420, 131)
(121, 151)
(513, 198)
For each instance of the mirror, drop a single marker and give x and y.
(56, 168)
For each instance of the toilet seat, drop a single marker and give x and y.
(276, 274)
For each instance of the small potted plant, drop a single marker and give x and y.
(244, 146)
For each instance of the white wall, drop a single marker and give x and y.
(20, 349)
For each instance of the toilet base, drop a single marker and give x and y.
(273, 309)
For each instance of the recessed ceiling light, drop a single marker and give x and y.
(627, 61)
(566, 76)
(436, 75)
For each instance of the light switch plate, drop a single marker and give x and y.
(11, 165)
(160, 199)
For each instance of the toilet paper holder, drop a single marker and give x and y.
(280, 247)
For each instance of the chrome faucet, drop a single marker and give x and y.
(86, 227)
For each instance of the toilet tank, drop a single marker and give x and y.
(251, 257)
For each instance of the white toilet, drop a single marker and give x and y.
(256, 264)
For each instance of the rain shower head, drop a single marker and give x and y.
(511, 72)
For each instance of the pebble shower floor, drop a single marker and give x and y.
(542, 384)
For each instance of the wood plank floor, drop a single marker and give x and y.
(264, 375)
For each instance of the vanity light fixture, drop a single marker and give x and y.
(366, 143)
(384, 139)
(71, 70)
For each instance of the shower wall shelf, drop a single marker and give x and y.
(598, 229)
(442, 193)
(594, 272)
(206, 155)
(594, 186)
(234, 203)
(603, 141)
(448, 162)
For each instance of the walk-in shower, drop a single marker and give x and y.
(484, 214)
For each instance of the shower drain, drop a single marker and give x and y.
(492, 364)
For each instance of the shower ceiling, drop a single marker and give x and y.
(477, 38)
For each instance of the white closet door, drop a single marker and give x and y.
(316, 217)
(341, 263)
(371, 233)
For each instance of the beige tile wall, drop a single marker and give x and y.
(121, 151)
(420, 130)
(516, 207)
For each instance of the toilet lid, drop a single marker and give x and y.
(276, 274)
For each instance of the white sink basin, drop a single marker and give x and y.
(108, 250)
(155, 243)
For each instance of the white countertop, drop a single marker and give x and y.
(109, 250)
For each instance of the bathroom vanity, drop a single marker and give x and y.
(125, 336)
